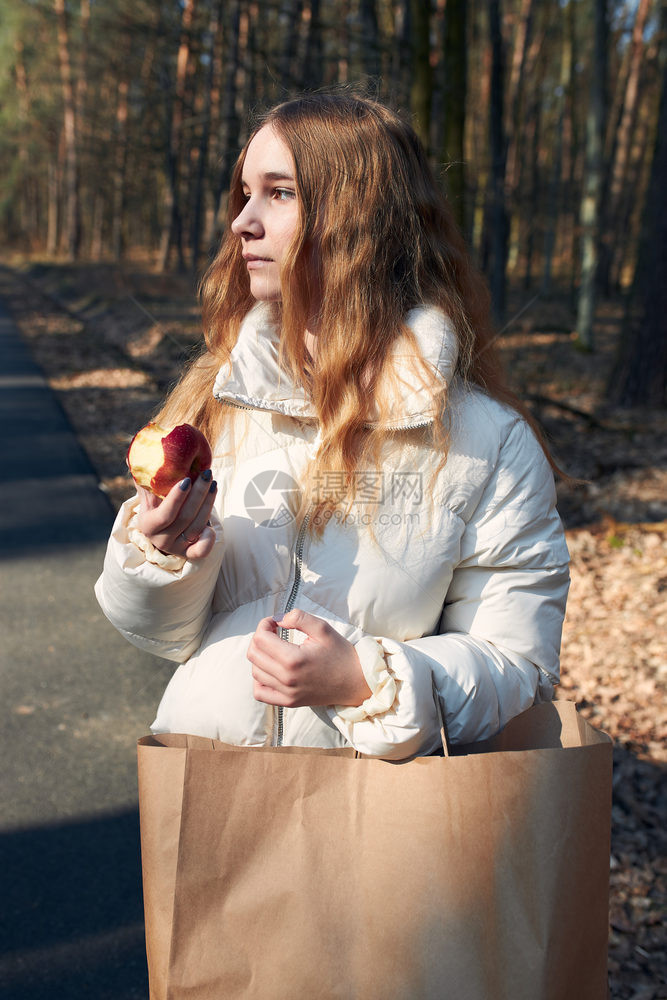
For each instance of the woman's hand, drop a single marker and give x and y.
(178, 525)
(323, 670)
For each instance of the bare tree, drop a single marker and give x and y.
(592, 186)
(553, 198)
(72, 208)
(134, 140)
(639, 377)
(229, 116)
(421, 90)
(454, 105)
(623, 141)
(290, 17)
(524, 114)
(52, 204)
(517, 77)
(22, 90)
(313, 64)
(214, 29)
(497, 216)
(172, 227)
(370, 38)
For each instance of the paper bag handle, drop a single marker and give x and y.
(441, 719)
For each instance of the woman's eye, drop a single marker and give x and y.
(284, 194)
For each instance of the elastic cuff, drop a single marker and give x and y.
(162, 559)
(379, 678)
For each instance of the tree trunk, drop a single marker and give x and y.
(172, 226)
(529, 181)
(639, 377)
(290, 18)
(623, 144)
(82, 79)
(514, 89)
(86, 197)
(370, 39)
(592, 184)
(97, 226)
(497, 208)
(70, 231)
(571, 142)
(313, 69)
(399, 56)
(53, 202)
(119, 168)
(202, 156)
(454, 110)
(523, 109)
(343, 41)
(230, 121)
(218, 61)
(421, 90)
(25, 215)
(555, 181)
(624, 255)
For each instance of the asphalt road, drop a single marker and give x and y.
(74, 697)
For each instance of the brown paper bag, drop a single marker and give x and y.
(296, 874)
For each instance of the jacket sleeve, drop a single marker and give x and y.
(163, 609)
(497, 647)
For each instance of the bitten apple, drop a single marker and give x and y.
(159, 457)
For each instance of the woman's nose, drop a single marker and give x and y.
(247, 222)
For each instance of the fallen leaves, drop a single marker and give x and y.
(99, 378)
(614, 664)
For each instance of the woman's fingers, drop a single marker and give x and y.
(178, 523)
(322, 670)
(202, 546)
(267, 653)
(157, 515)
(266, 628)
(202, 512)
(198, 535)
(269, 682)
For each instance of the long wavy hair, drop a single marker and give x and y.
(375, 238)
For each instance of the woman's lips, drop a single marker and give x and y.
(256, 262)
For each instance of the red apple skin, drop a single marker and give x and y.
(183, 451)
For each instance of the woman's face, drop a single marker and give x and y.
(270, 218)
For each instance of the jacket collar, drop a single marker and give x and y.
(254, 378)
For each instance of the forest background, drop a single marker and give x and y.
(120, 122)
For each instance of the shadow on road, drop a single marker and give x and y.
(72, 911)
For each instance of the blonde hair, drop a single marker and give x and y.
(376, 238)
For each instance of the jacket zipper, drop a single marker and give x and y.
(279, 725)
(284, 632)
(230, 402)
(409, 426)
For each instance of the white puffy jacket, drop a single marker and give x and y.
(463, 579)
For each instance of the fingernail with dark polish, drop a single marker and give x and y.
(185, 485)
(213, 487)
(206, 476)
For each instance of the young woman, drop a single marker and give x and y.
(382, 515)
